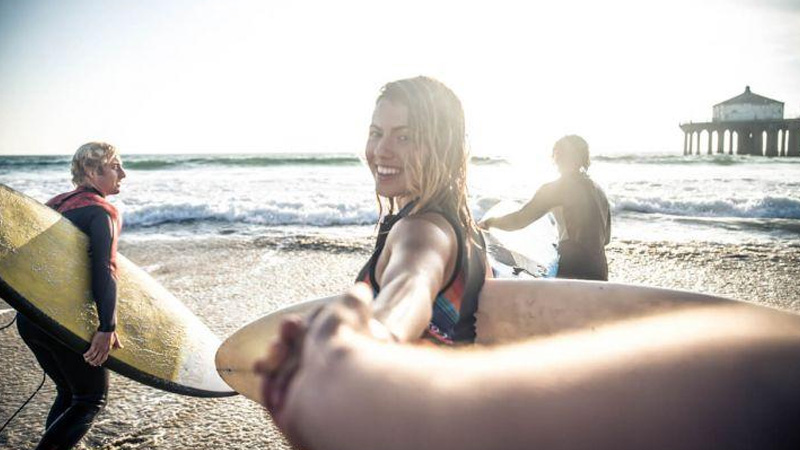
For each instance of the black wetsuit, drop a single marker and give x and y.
(583, 217)
(81, 389)
(453, 316)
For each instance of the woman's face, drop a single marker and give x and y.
(389, 146)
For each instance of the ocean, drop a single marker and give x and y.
(671, 198)
(237, 236)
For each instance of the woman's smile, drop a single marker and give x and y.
(389, 147)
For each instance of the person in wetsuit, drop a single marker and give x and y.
(429, 263)
(581, 210)
(81, 381)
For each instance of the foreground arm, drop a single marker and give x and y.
(418, 258)
(104, 289)
(720, 377)
(537, 207)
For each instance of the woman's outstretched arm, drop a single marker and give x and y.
(715, 377)
(418, 259)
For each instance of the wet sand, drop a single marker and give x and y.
(229, 281)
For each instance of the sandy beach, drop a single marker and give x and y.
(231, 280)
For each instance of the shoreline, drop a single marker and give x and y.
(229, 281)
(761, 273)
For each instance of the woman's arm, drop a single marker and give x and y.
(418, 259)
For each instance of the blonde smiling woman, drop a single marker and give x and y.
(429, 260)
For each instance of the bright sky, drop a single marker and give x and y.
(236, 76)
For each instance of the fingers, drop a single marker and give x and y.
(289, 336)
(90, 354)
(283, 360)
(277, 383)
(93, 353)
(359, 299)
(352, 309)
(381, 332)
(277, 352)
(281, 364)
(95, 356)
(117, 342)
(99, 349)
(102, 357)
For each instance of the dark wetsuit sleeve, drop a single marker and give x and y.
(104, 285)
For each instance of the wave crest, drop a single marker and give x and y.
(160, 162)
(763, 208)
(276, 214)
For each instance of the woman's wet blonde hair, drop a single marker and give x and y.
(437, 172)
(91, 157)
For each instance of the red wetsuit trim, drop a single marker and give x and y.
(85, 196)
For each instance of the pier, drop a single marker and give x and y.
(747, 124)
(762, 138)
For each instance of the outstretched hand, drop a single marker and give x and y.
(281, 363)
(303, 346)
(101, 345)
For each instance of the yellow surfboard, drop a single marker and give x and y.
(44, 274)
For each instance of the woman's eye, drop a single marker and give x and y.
(374, 134)
(403, 138)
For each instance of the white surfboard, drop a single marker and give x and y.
(529, 252)
(510, 310)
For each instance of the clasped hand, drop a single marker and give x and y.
(305, 345)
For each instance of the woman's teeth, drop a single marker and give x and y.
(382, 170)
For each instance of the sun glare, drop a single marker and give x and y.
(248, 76)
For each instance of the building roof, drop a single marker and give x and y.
(748, 98)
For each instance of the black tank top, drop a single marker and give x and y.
(453, 318)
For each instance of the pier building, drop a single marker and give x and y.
(748, 124)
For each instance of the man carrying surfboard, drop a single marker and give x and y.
(581, 210)
(81, 381)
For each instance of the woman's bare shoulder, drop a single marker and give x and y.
(425, 228)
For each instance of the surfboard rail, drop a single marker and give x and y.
(510, 310)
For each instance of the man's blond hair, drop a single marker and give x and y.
(91, 157)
